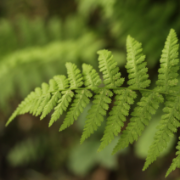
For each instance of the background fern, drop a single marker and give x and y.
(43, 62)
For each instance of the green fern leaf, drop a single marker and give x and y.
(27, 105)
(75, 79)
(108, 66)
(138, 79)
(116, 118)
(77, 91)
(58, 82)
(53, 86)
(63, 104)
(136, 67)
(167, 78)
(43, 99)
(141, 117)
(166, 129)
(167, 83)
(61, 81)
(91, 77)
(96, 113)
(80, 102)
(50, 105)
(74, 75)
(38, 95)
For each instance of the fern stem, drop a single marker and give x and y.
(120, 88)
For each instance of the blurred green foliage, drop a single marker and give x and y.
(142, 19)
(83, 158)
(41, 58)
(27, 151)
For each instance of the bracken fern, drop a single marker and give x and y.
(76, 91)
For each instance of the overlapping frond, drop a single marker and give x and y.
(72, 94)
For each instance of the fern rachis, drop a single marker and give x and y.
(76, 91)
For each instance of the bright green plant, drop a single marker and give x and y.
(76, 91)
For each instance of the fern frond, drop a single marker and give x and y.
(176, 161)
(136, 67)
(108, 66)
(79, 87)
(96, 113)
(167, 78)
(117, 116)
(165, 130)
(141, 116)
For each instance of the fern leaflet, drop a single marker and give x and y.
(109, 68)
(80, 102)
(167, 78)
(136, 67)
(96, 113)
(140, 118)
(117, 116)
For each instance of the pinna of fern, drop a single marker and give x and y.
(76, 90)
